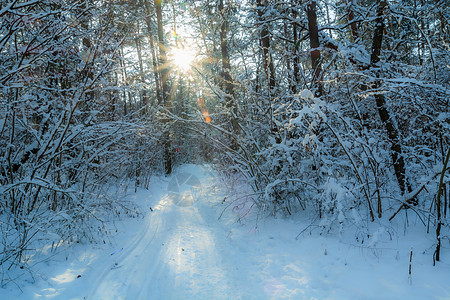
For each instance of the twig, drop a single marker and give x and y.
(407, 204)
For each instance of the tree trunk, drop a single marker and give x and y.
(386, 118)
(137, 40)
(268, 67)
(438, 208)
(265, 45)
(125, 78)
(288, 59)
(226, 71)
(164, 72)
(296, 60)
(351, 18)
(314, 44)
(152, 49)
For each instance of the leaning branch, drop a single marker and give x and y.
(412, 196)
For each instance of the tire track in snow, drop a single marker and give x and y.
(174, 257)
(113, 281)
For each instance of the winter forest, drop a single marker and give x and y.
(334, 112)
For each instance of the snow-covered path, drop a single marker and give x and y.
(181, 250)
(175, 256)
(185, 252)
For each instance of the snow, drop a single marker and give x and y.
(306, 94)
(188, 252)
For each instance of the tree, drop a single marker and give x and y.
(393, 134)
(163, 75)
(315, 44)
(267, 61)
(61, 137)
(226, 71)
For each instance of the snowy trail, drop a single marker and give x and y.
(180, 250)
(175, 256)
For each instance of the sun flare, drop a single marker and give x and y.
(182, 58)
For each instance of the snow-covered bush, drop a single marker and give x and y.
(63, 135)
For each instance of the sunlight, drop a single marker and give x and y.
(182, 58)
(69, 275)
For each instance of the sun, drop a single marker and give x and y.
(182, 58)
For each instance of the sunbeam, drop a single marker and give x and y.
(182, 58)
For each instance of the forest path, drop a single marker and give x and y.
(182, 250)
(177, 255)
(185, 252)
